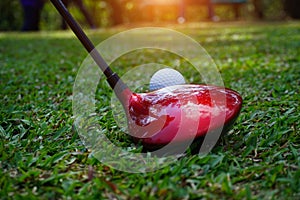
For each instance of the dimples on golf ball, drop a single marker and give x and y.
(165, 77)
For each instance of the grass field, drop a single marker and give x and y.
(42, 156)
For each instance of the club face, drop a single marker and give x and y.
(181, 113)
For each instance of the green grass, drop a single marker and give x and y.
(42, 156)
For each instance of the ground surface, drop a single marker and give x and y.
(42, 156)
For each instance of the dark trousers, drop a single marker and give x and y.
(31, 18)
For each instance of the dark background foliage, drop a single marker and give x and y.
(113, 12)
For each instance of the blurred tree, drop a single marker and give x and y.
(50, 18)
(258, 8)
(272, 9)
(292, 8)
(116, 11)
(10, 15)
(86, 13)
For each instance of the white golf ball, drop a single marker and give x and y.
(165, 77)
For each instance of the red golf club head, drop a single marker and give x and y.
(173, 114)
(180, 113)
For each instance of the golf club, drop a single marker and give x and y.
(176, 113)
